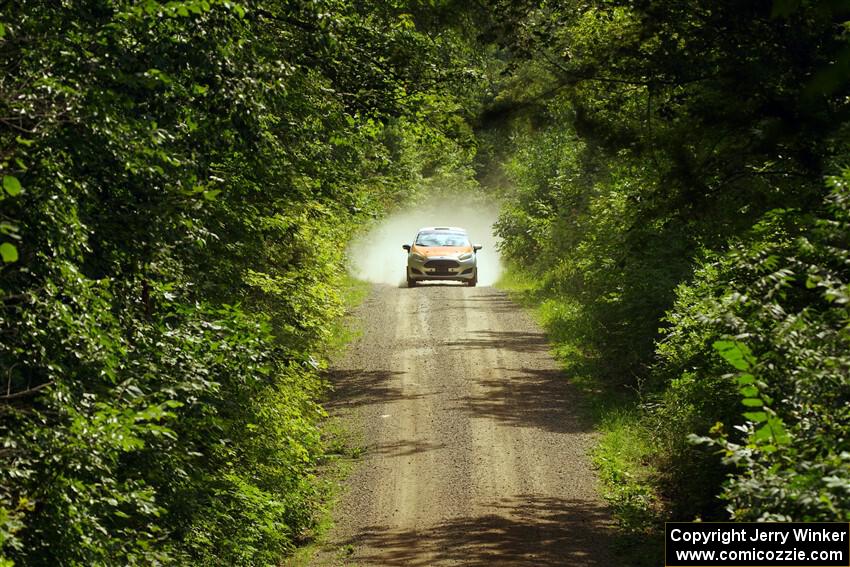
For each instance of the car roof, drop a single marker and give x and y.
(442, 229)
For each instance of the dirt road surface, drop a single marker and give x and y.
(474, 450)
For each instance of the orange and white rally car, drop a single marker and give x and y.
(442, 253)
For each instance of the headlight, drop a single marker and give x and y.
(416, 256)
(465, 256)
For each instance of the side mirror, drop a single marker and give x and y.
(406, 247)
(477, 247)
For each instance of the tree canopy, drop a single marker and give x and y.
(180, 180)
(676, 183)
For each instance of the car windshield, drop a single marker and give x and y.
(442, 239)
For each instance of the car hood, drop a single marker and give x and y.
(429, 251)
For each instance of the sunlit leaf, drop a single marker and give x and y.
(744, 379)
(749, 391)
(735, 353)
(763, 433)
(8, 252)
(11, 185)
(756, 416)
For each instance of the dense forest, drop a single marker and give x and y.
(180, 180)
(676, 189)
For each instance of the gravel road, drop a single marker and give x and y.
(475, 453)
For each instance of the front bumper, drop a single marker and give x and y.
(440, 268)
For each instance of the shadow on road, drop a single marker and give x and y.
(433, 283)
(403, 448)
(352, 388)
(516, 341)
(526, 530)
(491, 301)
(526, 397)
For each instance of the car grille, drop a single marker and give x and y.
(441, 264)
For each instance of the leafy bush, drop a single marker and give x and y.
(179, 181)
(663, 167)
(789, 304)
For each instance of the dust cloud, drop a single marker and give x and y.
(377, 255)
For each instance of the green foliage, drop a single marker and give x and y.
(180, 180)
(621, 460)
(663, 167)
(9, 252)
(792, 303)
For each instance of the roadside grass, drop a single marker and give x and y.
(342, 452)
(623, 455)
(342, 447)
(345, 329)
